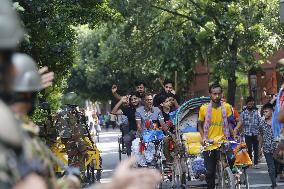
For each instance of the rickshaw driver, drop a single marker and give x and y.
(213, 125)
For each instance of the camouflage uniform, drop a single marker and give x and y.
(11, 148)
(70, 132)
(36, 149)
(82, 121)
(47, 132)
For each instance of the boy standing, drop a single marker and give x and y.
(269, 145)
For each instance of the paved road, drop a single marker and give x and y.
(258, 178)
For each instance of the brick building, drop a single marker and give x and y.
(262, 83)
(268, 80)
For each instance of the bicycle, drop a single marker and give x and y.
(242, 177)
(152, 144)
(240, 169)
(225, 176)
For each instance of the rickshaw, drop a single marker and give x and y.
(93, 162)
(188, 161)
(150, 149)
(188, 141)
(122, 122)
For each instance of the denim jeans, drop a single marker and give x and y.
(271, 167)
(128, 138)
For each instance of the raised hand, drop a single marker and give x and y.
(125, 99)
(46, 77)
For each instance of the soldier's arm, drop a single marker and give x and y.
(127, 177)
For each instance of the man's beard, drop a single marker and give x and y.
(249, 108)
(216, 101)
(141, 94)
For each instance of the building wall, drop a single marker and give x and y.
(269, 81)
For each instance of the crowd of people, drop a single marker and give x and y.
(144, 110)
(217, 121)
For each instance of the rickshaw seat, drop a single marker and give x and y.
(192, 142)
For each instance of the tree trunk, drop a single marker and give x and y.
(232, 85)
(232, 79)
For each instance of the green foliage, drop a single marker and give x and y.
(162, 36)
(50, 37)
(95, 73)
(146, 39)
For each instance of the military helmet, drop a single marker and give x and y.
(72, 98)
(11, 32)
(27, 77)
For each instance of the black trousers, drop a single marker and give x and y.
(252, 144)
(210, 161)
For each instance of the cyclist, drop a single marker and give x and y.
(213, 125)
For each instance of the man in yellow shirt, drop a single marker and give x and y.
(213, 125)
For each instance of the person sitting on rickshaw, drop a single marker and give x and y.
(129, 112)
(149, 117)
(149, 113)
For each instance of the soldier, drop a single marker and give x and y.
(47, 131)
(26, 85)
(15, 170)
(70, 132)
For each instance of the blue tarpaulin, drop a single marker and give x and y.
(151, 135)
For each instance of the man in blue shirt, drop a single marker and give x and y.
(250, 121)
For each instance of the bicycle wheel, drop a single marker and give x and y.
(220, 174)
(229, 179)
(98, 137)
(244, 178)
(119, 149)
(177, 182)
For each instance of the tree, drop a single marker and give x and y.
(163, 36)
(50, 35)
(93, 76)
